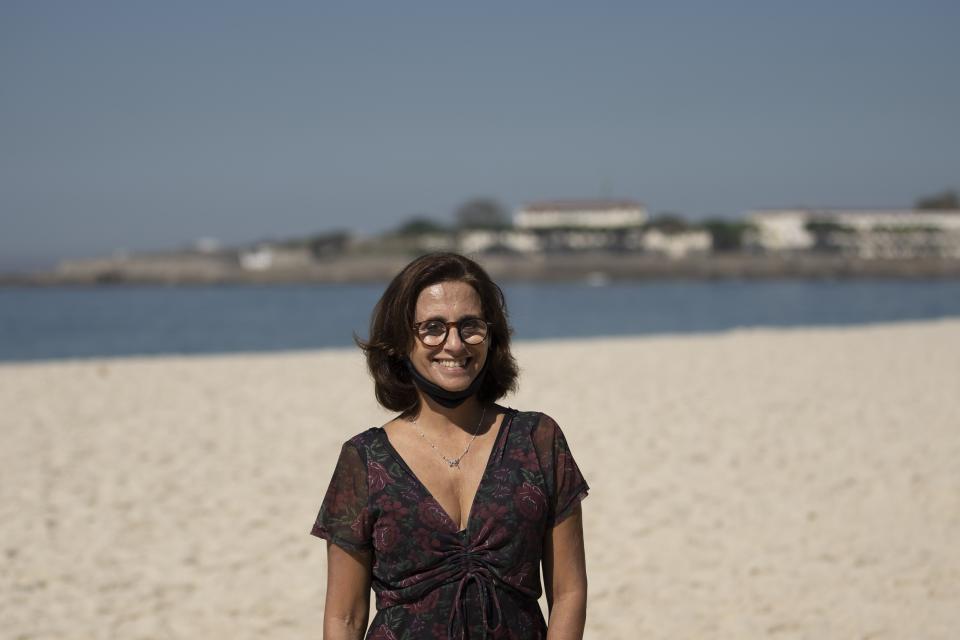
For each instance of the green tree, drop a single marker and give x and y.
(330, 243)
(669, 222)
(944, 200)
(482, 213)
(419, 225)
(726, 235)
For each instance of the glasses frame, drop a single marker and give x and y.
(446, 331)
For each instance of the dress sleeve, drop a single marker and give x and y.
(344, 517)
(565, 484)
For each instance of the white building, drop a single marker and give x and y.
(780, 230)
(268, 257)
(581, 225)
(905, 219)
(876, 233)
(676, 245)
(493, 240)
(581, 214)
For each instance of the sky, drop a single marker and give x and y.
(138, 126)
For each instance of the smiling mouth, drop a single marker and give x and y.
(460, 363)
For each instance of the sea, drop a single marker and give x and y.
(116, 321)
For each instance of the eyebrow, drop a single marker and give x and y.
(469, 316)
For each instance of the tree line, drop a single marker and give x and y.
(486, 213)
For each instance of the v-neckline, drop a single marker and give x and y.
(504, 424)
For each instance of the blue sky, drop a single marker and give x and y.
(135, 125)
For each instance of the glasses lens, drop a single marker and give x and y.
(432, 333)
(473, 331)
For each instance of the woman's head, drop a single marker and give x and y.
(433, 289)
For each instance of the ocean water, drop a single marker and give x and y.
(54, 323)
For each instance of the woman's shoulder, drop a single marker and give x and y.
(531, 422)
(364, 440)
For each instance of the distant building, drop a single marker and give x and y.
(676, 245)
(498, 241)
(257, 259)
(329, 244)
(408, 243)
(271, 257)
(581, 214)
(780, 230)
(581, 225)
(865, 233)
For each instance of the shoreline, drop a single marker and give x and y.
(517, 343)
(589, 267)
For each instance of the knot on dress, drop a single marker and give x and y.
(474, 568)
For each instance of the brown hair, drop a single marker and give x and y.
(391, 330)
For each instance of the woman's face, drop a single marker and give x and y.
(454, 364)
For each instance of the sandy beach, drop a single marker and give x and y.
(800, 483)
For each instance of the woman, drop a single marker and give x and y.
(449, 509)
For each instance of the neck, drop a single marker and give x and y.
(463, 417)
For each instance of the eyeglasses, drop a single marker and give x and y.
(433, 333)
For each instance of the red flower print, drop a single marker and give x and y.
(497, 536)
(423, 540)
(490, 510)
(424, 604)
(432, 514)
(382, 633)
(379, 477)
(529, 500)
(391, 507)
(527, 459)
(341, 500)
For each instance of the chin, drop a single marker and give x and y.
(457, 381)
(450, 384)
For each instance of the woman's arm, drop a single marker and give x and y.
(565, 578)
(348, 594)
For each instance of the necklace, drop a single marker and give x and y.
(453, 463)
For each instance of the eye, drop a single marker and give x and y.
(473, 330)
(473, 325)
(433, 328)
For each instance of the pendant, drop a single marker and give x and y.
(454, 463)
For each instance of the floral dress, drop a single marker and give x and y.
(431, 580)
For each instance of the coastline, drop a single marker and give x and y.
(194, 269)
(792, 482)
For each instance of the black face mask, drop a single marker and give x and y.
(441, 396)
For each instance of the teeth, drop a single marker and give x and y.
(451, 364)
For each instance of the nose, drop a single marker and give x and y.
(453, 342)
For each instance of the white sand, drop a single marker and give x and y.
(763, 483)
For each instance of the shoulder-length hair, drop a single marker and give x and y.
(391, 330)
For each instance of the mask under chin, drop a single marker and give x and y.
(441, 396)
